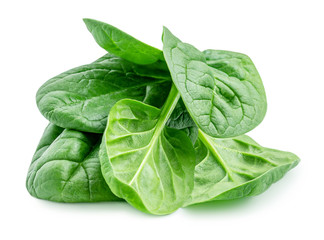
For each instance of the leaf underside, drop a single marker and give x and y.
(147, 161)
(149, 165)
(234, 168)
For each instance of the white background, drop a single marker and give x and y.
(40, 39)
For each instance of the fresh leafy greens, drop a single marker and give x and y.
(180, 119)
(224, 95)
(148, 164)
(121, 44)
(82, 97)
(172, 125)
(66, 168)
(235, 168)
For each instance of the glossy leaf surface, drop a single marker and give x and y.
(66, 168)
(82, 97)
(121, 44)
(149, 165)
(236, 167)
(222, 90)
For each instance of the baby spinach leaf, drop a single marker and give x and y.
(149, 165)
(66, 168)
(235, 168)
(121, 44)
(82, 97)
(222, 90)
(180, 119)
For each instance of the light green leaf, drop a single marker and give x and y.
(121, 44)
(82, 97)
(235, 168)
(66, 168)
(149, 165)
(222, 90)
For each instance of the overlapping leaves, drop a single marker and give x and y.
(174, 132)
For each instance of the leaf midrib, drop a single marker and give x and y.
(95, 97)
(166, 111)
(204, 138)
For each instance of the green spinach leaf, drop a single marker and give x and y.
(82, 97)
(148, 164)
(66, 168)
(121, 44)
(146, 154)
(180, 119)
(222, 90)
(234, 168)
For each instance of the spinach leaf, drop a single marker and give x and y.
(180, 119)
(66, 168)
(121, 44)
(222, 90)
(146, 154)
(235, 168)
(82, 97)
(149, 165)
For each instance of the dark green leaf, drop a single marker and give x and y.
(121, 44)
(82, 97)
(180, 119)
(66, 168)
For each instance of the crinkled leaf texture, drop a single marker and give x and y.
(149, 165)
(82, 97)
(222, 90)
(180, 119)
(234, 168)
(121, 44)
(66, 168)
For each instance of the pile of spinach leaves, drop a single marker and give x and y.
(159, 129)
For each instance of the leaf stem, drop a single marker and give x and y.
(169, 105)
(166, 111)
(206, 139)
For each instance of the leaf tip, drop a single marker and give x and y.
(89, 22)
(86, 20)
(165, 31)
